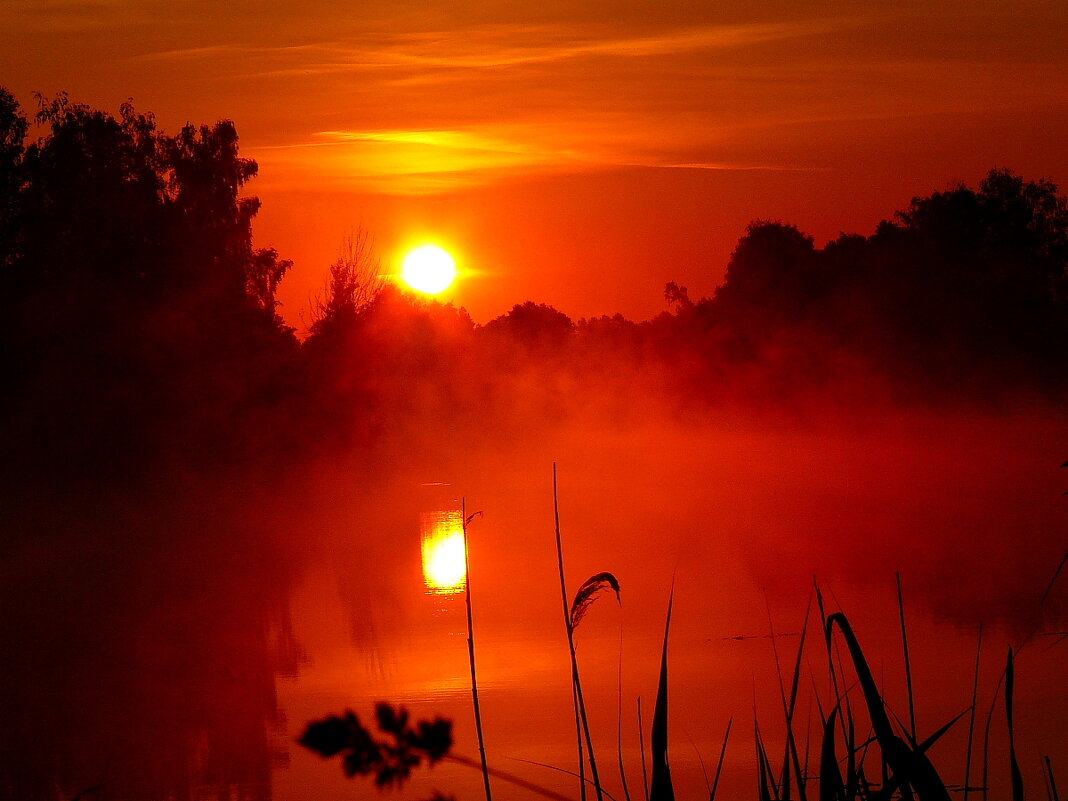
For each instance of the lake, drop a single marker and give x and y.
(178, 651)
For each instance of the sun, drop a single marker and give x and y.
(429, 269)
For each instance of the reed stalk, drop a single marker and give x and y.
(641, 746)
(719, 765)
(578, 743)
(908, 766)
(1054, 796)
(662, 789)
(471, 649)
(571, 644)
(971, 718)
(619, 718)
(986, 737)
(908, 662)
(1014, 767)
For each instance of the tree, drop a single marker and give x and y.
(984, 269)
(138, 315)
(114, 208)
(677, 297)
(354, 284)
(773, 275)
(533, 325)
(13, 129)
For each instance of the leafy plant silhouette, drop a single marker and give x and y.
(389, 760)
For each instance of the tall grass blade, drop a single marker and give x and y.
(719, 765)
(762, 770)
(768, 790)
(934, 738)
(784, 783)
(795, 682)
(785, 775)
(790, 757)
(1014, 767)
(619, 718)
(509, 777)
(910, 768)
(578, 743)
(641, 747)
(894, 783)
(853, 775)
(971, 718)
(831, 784)
(1052, 782)
(908, 662)
(471, 650)
(986, 737)
(1052, 581)
(558, 769)
(863, 785)
(571, 646)
(700, 761)
(830, 657)
(662, 789)
(808, 749)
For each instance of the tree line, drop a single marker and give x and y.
(140, 322)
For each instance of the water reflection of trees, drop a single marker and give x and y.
(145, 669)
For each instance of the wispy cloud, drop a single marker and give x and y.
(404, 110)
(431, 161)
(194, 53)
(420, 162)
(721, 166)
(506, 46)
(497, 46)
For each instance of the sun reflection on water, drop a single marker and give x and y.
(444, 568)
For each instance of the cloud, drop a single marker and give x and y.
(501, 46)
(409, 162)
(505, 46)
(417, 103)
(421, 162)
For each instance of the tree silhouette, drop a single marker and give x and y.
(965, 286)
(355, 281)
(13, 129)
(773, 273)
(139, 315)
(534, 325)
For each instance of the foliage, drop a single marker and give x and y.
(957, 279)
(390, 760)
(533, 325)
(140, 321)
(13, 127)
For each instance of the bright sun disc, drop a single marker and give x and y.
(429, 269)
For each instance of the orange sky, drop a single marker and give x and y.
(576, 153)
